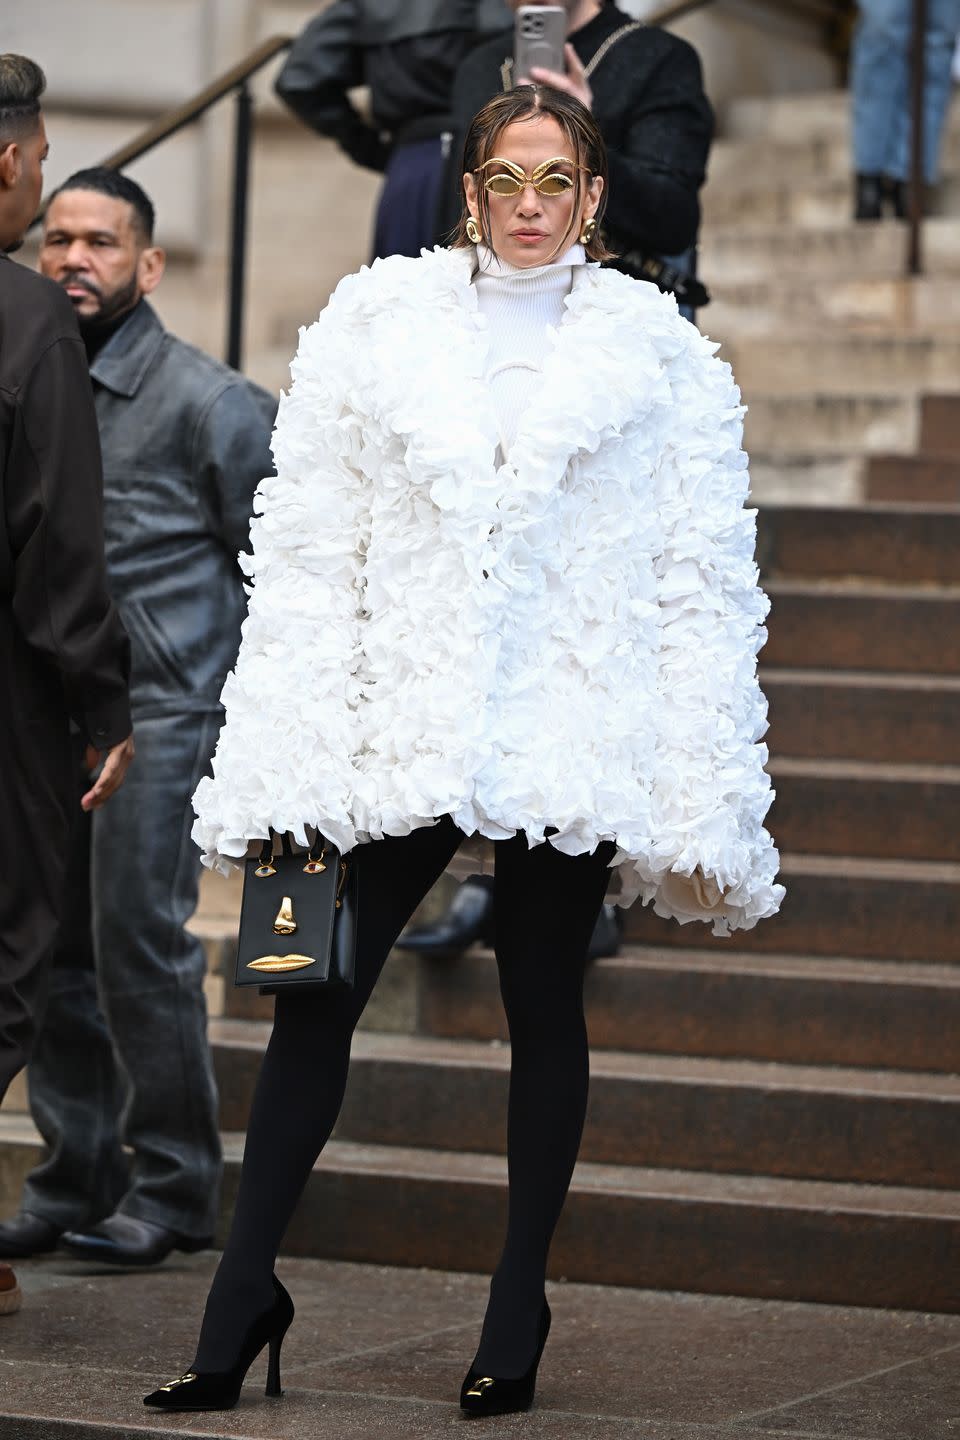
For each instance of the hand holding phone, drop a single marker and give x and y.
(538, 39)
(542, 55)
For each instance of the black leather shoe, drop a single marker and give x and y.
(486, 1395)
(220, 1389)
(869, 198)
(605, 940)
(469, 917)
(24, 1235)
(123, 1240)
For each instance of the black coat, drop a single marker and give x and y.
(650, 106)
(405, 51)
(63, 652)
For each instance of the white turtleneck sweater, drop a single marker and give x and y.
(518, 306)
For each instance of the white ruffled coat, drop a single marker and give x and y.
(566, 640)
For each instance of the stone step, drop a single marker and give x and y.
(876, 364)
(796, 478)
(842, 807)
(673, 1112)
(940, 424)
(802, 1009)
(801, 202)
(785, 254)
(905, 543)
(900, 719)
(856, 625)
(829, 424)
(839, 905)
(796, 118)
(777, 306)
(933, 479)
(752, 162)
(832, 1242)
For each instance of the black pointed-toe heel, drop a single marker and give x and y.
(220, 1389)
(487, 1395)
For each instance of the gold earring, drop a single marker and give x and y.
(588, 231)
(474, 233)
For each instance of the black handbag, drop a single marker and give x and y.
(298, 918)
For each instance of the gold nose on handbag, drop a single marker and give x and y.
(284, 923)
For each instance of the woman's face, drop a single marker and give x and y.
(528, 228)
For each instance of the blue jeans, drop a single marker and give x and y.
(122, 1057)
(880, 85)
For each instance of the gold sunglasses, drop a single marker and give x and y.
(510, 179)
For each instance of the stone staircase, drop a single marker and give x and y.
(779, 1114)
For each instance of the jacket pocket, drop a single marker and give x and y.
(155, 666)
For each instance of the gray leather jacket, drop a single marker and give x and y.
(185, 442)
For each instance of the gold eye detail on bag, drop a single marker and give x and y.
(265, 868)
(315, 865)
(285, 924)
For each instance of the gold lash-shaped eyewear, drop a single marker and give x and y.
(510, 179)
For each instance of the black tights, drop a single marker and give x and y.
(546, 905)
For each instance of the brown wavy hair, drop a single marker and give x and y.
(577, 124)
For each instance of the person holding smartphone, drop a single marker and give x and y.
(644, 87)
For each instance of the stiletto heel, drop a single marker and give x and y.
(273, 1367)
(220, 1389)
(486, 1395)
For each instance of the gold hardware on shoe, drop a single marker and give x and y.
(284, 924)
(184, 1380)
(479, 1386)
(265, 869)
(279, 964)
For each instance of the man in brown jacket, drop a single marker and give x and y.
(64, 656)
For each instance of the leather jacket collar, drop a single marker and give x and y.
(127, 356)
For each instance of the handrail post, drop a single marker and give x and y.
(238, 225)
(918, 69)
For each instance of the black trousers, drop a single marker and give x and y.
(541, 951)
(38, 808)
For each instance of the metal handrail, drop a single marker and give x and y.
(174, 120)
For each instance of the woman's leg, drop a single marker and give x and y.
(301, 1086)
(541, 954)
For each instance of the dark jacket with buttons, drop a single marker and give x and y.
(185, 441)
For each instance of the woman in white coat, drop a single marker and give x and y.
(503, 585)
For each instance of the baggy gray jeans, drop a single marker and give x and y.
(122, 1058)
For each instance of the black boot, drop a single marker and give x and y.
(469, 917)
(869, 202)
(605, 940)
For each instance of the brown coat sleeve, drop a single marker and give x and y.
(55, 529)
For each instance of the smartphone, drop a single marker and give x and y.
(539, 36)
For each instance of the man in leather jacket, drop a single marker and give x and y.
(406, 52)
(185, 441)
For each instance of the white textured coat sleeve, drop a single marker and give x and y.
(286, 747)
(712, 792)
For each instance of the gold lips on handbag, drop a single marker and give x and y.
(297, 918)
